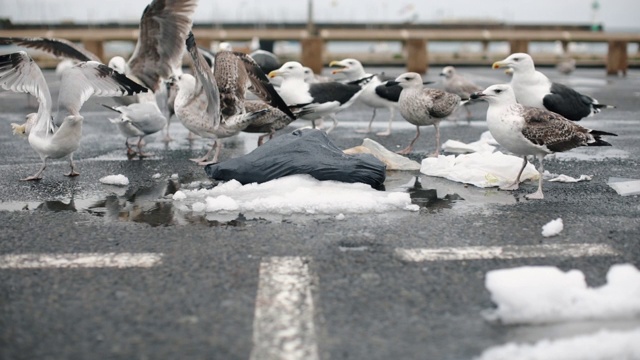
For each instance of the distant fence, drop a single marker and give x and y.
(313, 39)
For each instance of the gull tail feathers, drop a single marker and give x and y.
(597, 141)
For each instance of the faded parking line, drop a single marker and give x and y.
(79, 260)
(283, 326)
(504, 252)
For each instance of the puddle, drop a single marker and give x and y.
(149, 205)
(154, 205)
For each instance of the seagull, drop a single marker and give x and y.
(272, 120)
(533, 88)
(422, 107)
(526, 130)
(459, 85)
(375, 94)
(267, 60)
(138, 120)
(204, 109)
(320, 99)
(19, 73)
(566, 66)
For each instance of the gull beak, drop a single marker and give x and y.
(335, 63)
(443, 74)
(499, 64)
(427, 82)
(477, 95)
(274, 73)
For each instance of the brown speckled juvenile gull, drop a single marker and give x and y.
(525, 130)
(199, 108)
(459, 85)
(423, 107)
(272, 120)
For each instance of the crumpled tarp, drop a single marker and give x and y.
(304, 151)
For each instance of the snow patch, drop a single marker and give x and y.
(552, 228)
(179, 195)
(118, 180)
(297, 194)
(545, 294)
(156, 176)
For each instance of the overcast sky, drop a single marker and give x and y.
(615, 14)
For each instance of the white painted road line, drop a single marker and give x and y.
(79, 260)
(505, 252)
(283, 326)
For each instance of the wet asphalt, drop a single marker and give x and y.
(199, 302)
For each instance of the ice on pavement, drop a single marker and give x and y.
(603, 345)
(624, 187)
(486, 144)
(118, 180)
(479, 169)
(545, 294)
(552, 228)
(392, 160)
(566, 178)
(296, 194)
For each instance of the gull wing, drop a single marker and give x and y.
(163, 29)
(204, 76)
(57, 47)
(92, 78)
(19, 73)
(261, 86)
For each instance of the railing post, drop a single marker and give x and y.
(95, 46)
(519, 46)
(417, 56)
(617, 59)
(312, 53)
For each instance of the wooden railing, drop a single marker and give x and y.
(313, 45)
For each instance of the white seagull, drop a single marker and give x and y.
(423, 107)
(19, 73)
(533, 88)
(526, 130)
(375, 94)
(319, 99)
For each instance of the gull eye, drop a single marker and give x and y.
(407, 78)
(498, 91)
(516, 59)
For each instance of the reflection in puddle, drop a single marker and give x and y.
(428, 198)
(149, 205)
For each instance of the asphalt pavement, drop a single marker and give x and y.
(305, 287)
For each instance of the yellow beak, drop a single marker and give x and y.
(336, 63)
(273, 73)
(499, 64)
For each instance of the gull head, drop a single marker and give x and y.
(289, 70)
(309, 76)
(517, 62)
(347, 66)
(409, 80)
(186, 84)
(496, 94)
(118, 64)
(448, 72)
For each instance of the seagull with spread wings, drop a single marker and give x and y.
(19, 73)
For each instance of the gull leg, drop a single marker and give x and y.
(218, 146)
(261, 137)
(468, 114)
(538, 194)
(191, 136)
(391, 116)
(140, 153)
(167, 138)
(516, 183)
(130, 152)
(38, 175)
(73, 171)
(408, 149)
(368, 129)
(207, 155)
(335, 123)
(437, 152)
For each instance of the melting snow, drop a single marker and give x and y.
(552, 228)
(118, 180)
(297, 194)
(545, 294)
(603, 345)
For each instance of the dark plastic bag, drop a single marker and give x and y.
(304, 151)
